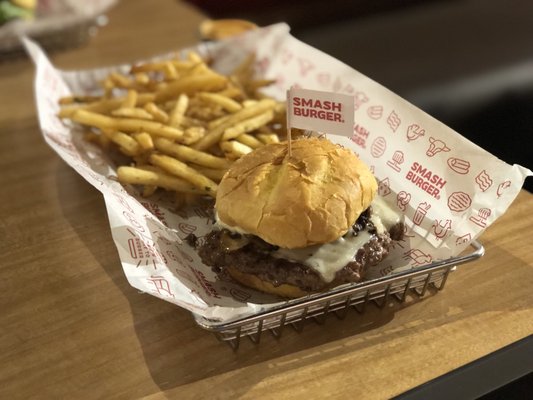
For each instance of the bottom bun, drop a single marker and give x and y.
(254, 282)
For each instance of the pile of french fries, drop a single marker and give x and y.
(180, 123)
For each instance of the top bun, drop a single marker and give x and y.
(312, 197)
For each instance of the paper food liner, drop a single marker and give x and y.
(449, 189)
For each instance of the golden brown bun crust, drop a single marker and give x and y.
(313, 197)
(254, 282)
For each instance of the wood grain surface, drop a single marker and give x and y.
(72, 327)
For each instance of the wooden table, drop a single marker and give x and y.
(72, 327)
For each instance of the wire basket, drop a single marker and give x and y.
(338, 301)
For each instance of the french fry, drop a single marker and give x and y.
(170, 71)
(225, 102)
(231, 92)
(132, 112)
(144, 176)
(249, 140)
(131, 99)
(144, 140)
(214, 135)
(157, 113)
(247, 125)
(188, 154)
(182, 170)
(191, 84)
(192, 135)
(120, 80)
(268, 138)
(181, 123)
(212, 173)
(141, 78)
(178, 111)
(127, 125)
(234, 149)
(126, 142)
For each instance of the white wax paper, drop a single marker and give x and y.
(462, 189)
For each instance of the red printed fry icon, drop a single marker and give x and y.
(459, 201)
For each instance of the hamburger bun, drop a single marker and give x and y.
(312, 197)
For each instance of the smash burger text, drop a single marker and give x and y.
(325, 110)
(426, 180)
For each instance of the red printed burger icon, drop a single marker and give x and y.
(459, 201)
(378, 147)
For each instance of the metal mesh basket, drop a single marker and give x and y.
(338, 301)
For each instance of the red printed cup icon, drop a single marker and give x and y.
(459, 201)
(421, 212)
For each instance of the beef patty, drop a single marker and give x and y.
(252, 255)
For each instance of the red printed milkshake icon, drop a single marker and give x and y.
(481, 218)
(397, 159)
(421, 212)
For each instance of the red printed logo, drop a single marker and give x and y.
(414, 131)
(360, 135)
(418, 257)
(435, 147)
(239, 294)
(323, 79)
(375, 112)
(463, 239)
(459, 201)
(441, 228)
(305, 66)
(186, 228)
(378, 147)
(502, 187)
(420, 213)
(286, 56)
(457, 165)
(384, 187)
(394, 121)
(161, 286)
(397, 159)
(402, 199)
(359, 99)
(483, 180)
(481, 218)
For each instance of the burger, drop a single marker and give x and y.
(299, 223)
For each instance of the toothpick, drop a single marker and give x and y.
(289, 110)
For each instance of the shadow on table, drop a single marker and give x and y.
(178, 352)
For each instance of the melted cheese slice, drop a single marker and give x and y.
(329, 258)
